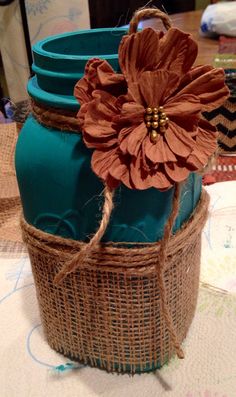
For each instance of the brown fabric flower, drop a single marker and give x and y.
(119, 111)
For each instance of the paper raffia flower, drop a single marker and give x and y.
(145, 123)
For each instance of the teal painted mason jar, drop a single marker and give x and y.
(103, 315)
(60, 193)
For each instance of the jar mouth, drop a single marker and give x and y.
(82, 44)
(59, 62)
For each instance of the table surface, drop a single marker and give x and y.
(190, 23)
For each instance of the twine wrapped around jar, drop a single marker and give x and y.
(111, 311)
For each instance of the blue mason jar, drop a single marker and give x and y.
(60, 193)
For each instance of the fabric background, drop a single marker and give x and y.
(45, 18)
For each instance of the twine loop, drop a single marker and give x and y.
(148, 13)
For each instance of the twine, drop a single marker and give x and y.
(160, 271)
(87, 249)
(61, 119)
(109, 311)
(148, 13)
(133, 259)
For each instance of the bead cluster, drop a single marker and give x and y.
(156, 122)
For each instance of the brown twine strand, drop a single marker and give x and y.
(148, 13)
(160, 272)
(83, 254)
(134, 258)
(61, 119)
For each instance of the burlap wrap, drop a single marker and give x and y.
(107, 313)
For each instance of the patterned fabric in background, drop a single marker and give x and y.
(45, 18)
(224, 117)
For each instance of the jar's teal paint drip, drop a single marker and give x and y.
(60, 193)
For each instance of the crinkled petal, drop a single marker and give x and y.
(205, 147)
(153, 87)
(99, 75)
(107, 76)
(209, 87)
(158, 152)
(160, 181)
(82, 91)
(179, 141)
(136, 138)
(193, 74)
(178, 172)
(99, 143)
(150, 50)
(183, 106)
(119, 171)
(123, 139)
(85, 86)
(98, 120)
(138, 52)
(142, 179)
(102, 161)
(177, 51)
(189, 123)
(81, 115)
(131, 113)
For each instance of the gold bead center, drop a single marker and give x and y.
(156, 122)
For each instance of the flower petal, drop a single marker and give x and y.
(107, 76)
(160, 181)
(102, 161)
(176, 171)
(136, 138)
(179, 141)
(158, 152)
(119, 171)
(82, 91)
(209, 87)
(177, 51)
(139, 52)
(205, 147)
(150, 50)
(99, 74)
(131, 114)
(153, 87)
(193, 74)
(99, 117)
(99, 143)
(183, 106)
(142, 179)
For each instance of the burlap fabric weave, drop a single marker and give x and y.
(10, 205)
(108, 313)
